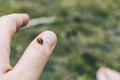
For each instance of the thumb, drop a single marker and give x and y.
(35, 57)
(107, 74)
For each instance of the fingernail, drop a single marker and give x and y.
(50, 38)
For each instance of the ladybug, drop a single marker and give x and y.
(40, 40)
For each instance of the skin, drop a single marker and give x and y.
(107, 74)
(36, 53)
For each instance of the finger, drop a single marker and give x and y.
(35, 57)
(8, 26)
(107, 74)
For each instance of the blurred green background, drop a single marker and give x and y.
(88, 34)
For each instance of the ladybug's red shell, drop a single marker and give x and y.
(40, 40)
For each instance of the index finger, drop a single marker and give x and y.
(9, 24)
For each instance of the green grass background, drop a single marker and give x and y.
(88, 34)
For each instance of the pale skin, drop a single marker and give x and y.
(31, 64)
(36, 53)
(107, 74)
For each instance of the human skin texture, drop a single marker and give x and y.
(36, 53)
(107, 74)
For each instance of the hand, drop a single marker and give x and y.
(35, 56)
(107, 74)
